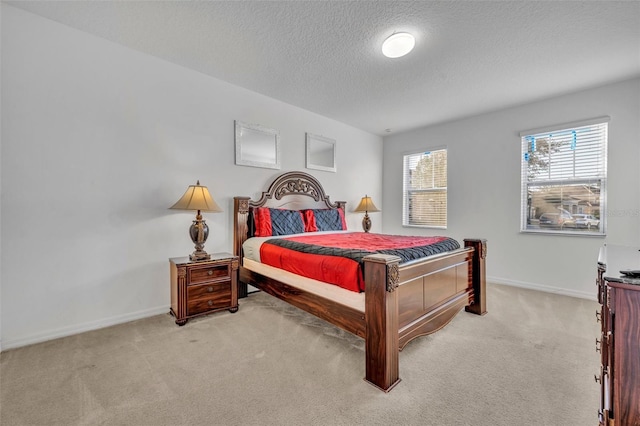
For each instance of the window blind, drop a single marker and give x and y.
(564, 173)
(425, 189)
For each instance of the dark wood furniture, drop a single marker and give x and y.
(402, 302)
(619, 344)
(202, 287)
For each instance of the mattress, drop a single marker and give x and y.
(337, 257)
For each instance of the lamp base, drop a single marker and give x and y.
(199, 231)
(199, 255)
(366, 223)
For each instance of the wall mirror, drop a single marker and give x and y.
(257, 146)
(321, 153)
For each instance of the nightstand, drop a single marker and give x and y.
(202, 287)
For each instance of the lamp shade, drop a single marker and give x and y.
(197, 197)
(366, 205)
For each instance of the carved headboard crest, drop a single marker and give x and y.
(297, 186)
(295, 183)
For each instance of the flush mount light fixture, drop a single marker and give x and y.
(398, 44)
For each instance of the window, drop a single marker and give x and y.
(564, 174)
(425, 189)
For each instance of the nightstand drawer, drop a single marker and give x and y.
(220, 300)
(208, 273)
(206, 291)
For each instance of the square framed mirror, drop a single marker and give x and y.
(321, 153)
(257, 146)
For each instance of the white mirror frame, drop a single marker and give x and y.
(326, 160)
(257, 146)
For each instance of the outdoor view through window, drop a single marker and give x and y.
(564, 179)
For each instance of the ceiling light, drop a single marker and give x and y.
(398, 44)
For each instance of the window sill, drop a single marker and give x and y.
(424, 226)
(564, 233)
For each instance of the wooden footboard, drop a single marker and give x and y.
(417, 298)
(402, 302)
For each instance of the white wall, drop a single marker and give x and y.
(98, 141)
(484, 187)
(1, 178)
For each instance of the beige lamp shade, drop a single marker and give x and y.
(366, 205)
(197, 197)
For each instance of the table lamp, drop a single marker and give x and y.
(366, 206)
(197, 198)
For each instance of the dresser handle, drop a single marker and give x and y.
(210, 302)
(210, 272)
(598, 316)
(598, 379)
(210, 289)
(598, 345)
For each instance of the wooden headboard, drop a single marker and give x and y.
(291, 190)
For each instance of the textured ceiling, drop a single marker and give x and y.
(324, 56)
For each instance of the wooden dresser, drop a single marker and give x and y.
(619, 343)
(203, 287)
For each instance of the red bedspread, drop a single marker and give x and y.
(337, 258)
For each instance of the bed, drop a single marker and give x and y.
(401, 300)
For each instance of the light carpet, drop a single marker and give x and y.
(529, 361)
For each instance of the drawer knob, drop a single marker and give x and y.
(210, 272)
(210, 302)
(598, 345)
(210, 289)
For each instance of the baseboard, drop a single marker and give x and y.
(545, 288)
(81, 328)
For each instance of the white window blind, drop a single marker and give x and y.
(425, 189)
(564, 174)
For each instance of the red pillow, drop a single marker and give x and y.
(262, 217)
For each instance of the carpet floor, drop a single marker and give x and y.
(529, 361)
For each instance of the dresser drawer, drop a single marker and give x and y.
(208, 273)
(207, 297)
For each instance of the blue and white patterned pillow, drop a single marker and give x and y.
(286, 222)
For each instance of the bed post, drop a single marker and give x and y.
(381, 317)
(478, 276)
(240, 232)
